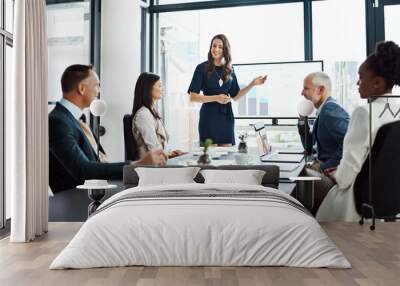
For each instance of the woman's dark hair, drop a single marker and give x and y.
(385, 62)
(227, 66)
(143, 91)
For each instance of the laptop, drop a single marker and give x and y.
(264, 149)
(282, 158)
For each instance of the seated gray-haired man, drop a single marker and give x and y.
(328, 130)
(330, 125)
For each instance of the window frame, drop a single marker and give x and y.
(95, 47)
(154, 10)
(150, 29)
(375, 17)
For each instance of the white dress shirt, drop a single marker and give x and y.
(75, 110)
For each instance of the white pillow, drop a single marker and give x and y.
(166, 176)
(248, 177)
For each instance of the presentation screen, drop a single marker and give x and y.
(279, 96)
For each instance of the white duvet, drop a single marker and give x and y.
(219, 231)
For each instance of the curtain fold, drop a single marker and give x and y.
(28, 144)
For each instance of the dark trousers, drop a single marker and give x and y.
(321, 189)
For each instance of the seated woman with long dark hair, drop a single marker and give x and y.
(148, 130)
(377, 76)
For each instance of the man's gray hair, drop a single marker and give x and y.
(321, 78)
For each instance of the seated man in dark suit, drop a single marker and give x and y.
(330, 125)
(73, 157)
(327, 134)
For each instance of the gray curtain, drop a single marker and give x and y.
(27, 143)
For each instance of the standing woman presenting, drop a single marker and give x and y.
(217, 80)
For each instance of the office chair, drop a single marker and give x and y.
(131, 152)
(379, 190)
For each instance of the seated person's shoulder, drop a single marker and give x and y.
(54, 113)
(56, 119)
(57, 114)
(143, 114)
(333, 109)
(58, 124)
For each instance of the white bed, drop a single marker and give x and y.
(223, 225)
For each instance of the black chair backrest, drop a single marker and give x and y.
(131, 152)
(385, 174)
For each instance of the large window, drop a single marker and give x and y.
(338, 32)
(339, 39)
(256, 33)
(6, 60)
(68, 29)
(9, 12)
(392, 22)
(8, 92)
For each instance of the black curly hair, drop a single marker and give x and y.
(385, 62)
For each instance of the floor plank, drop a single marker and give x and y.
(374, 255)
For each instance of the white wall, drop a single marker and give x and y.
(120, 67)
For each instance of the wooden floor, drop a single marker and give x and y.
(375, 257)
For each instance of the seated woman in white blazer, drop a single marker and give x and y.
(377, 76)
(147, 127)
